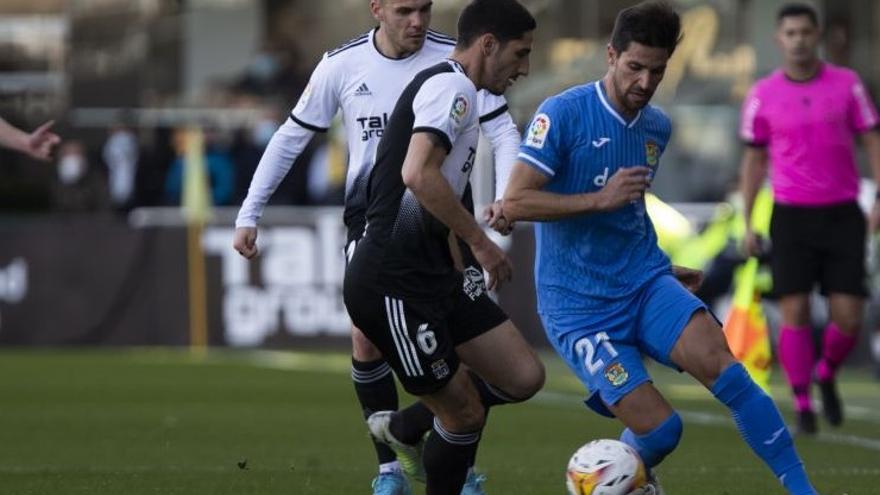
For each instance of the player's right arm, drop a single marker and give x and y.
(423, 176)
(753, 168)
(436, 128)
(313, 113)
(525, 198)
(544, 152)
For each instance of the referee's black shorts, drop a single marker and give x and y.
(818, 244)
(418, 337)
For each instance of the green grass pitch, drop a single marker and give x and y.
(137, 421)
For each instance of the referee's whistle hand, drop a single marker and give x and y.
(245, 241)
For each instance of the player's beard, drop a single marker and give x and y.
(623, 97)
(638, 100)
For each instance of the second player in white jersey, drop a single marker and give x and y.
(364, 84)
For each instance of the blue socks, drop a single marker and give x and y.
(761, 425)
(657, 443)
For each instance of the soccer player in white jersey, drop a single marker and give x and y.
(363, 78)
(401, 287)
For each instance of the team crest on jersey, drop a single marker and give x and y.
(537, 133)
(459, 109)
(440, 369)
(652, 154)
(616, 374)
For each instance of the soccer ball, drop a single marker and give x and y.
(605, 467)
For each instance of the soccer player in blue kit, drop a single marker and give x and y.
(606, 293)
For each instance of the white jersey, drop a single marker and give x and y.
(365, 85)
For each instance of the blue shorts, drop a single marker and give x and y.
(605, 349)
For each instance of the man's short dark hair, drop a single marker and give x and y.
(797, 10)
(505, 19)
(653, 24)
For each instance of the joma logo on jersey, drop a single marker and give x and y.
(372, 126)
(469, 163)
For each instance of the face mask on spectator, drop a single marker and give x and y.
(71, 168)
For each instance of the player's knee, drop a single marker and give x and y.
(849, 324)
(711, 363)
(362, 349)
(529, 380)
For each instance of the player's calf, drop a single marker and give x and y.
(657, 443)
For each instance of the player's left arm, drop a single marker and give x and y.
(871, 142)
(498, 127)
(863, 120)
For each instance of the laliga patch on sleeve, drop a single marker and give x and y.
(459, 109)
(304, 98)
(537, 133)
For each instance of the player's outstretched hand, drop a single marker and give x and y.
(40, 143)
(245, 241)
(626, 185)
(494, 217)
(494, 261)
(689, 278)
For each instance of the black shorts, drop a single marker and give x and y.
(819, 244)
(418, 337)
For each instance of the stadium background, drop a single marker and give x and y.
(99, 391)
(77, 268)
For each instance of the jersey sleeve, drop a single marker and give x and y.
(862, 112)
(544, 145)
(490, 106)
(753, 128)
(498, 127)
(283, 149)
(445, 105)
(320, 100)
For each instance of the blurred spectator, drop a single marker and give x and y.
(157, 154)
(120, 154)
(79, 187)
(37, 144)
(220, 170)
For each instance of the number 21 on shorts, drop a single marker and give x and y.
(586, 349)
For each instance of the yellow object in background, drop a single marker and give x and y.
(196, 201)
(746, 326)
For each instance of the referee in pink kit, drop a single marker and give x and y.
(803, 118)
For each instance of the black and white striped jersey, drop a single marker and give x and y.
(405, 251)
(365, 85)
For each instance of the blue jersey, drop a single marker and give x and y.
(592, 262)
